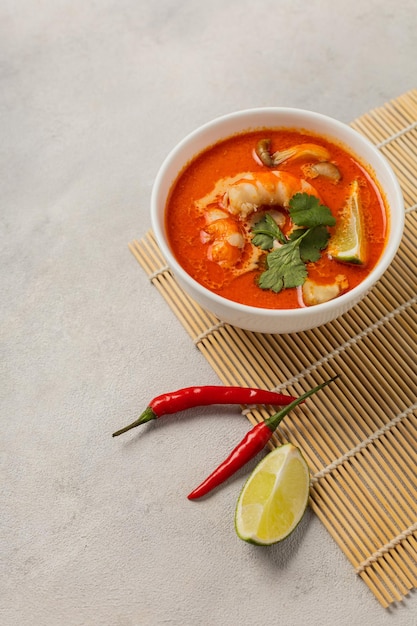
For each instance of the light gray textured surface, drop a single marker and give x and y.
(94, 93)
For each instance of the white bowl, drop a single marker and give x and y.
(277, 320)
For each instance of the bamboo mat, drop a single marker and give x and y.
(359, 436)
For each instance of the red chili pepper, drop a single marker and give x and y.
(249, 447)
(201, 396)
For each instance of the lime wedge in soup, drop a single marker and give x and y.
(348, 242)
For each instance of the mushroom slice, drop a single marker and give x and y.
(316, 293)
(323, 168)
(300, 151)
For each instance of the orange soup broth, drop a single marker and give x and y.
(236, 154)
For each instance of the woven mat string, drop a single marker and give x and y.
(363, 444)
(401, 132)
(373, 558)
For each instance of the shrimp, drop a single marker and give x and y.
(230, 245)
(253, 190)
(225, 237)
(214, 197)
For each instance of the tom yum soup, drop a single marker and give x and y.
(276, 219)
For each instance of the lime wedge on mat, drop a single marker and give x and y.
(348, 243)
(274, 498)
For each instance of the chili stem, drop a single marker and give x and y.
(273, 421)
(146, 416)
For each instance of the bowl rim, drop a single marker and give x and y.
(394, 234)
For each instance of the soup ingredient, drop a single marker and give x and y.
(253, 442)
(266, 231)
(190, 397)
(263, 150)
(323, 168)
(348, 244)
(274, 498)
(286, 265)
(225, 237)
(304, 150)
(255, 189)
(316, 293)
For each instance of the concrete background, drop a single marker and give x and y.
(93, 95)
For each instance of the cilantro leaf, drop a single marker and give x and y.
(285, 268)
(306, 210)
(286, 265)
(265, 232)
(314, 240)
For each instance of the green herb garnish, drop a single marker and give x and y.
(306, 210)
(265, 232)
(286, 265)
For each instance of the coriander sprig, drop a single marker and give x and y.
(306, 210)
(285, 266)
(265, 232)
